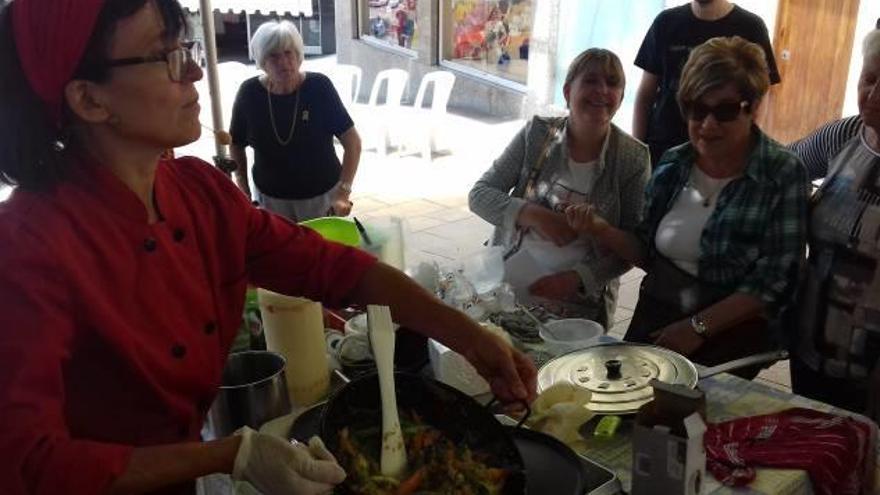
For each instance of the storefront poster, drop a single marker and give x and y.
(491, 35)
(392, 21)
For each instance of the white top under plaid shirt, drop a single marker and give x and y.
(754, 240)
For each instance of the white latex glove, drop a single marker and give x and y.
(275, 467)
(560, 411)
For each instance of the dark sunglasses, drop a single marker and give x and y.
(179, 60)
(723, 112)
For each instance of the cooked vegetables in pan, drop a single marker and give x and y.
(437, 465)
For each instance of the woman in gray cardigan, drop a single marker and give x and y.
(556, 162)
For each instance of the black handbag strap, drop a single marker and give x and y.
(531, 182)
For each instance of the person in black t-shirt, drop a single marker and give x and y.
(675, 32)
(290, 117)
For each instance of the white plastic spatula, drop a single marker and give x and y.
(393, 459)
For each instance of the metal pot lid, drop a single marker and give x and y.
(618, 374)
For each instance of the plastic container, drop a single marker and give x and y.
(570, 334)
(485, 269)
(252, 392)
(387, 236)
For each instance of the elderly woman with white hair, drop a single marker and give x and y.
(837, 343)
(289, 117)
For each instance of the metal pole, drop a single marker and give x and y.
(247, 23)
(221, 159)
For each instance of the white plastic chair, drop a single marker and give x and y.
(424, 121)
(378, 130)
(347, 81)
(396, 80)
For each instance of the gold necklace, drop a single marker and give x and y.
(282, 142)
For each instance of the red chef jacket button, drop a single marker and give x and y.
(178, 351)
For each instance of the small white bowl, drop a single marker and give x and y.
(356, 325)
(570, 334)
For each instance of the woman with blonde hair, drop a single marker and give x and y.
(290, 118)
(724, 229)
(556, 162)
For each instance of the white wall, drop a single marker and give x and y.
(591, 23)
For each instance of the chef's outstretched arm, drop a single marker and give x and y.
(510, 373)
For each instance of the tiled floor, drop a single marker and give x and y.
(432, 196)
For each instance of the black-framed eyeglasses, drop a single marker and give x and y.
(723, 112)
(179, 60)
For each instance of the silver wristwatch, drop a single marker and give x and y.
(699, 325)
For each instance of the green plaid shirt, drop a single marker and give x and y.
(755, 239)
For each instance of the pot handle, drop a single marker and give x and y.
(765, 357)
(523, 403)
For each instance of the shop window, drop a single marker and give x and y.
(393, 22)
(488, 36)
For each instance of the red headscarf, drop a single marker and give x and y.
(51, 36)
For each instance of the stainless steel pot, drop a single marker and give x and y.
(619, 374)
(252, 392)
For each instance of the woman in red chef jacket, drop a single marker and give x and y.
(122, 275)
